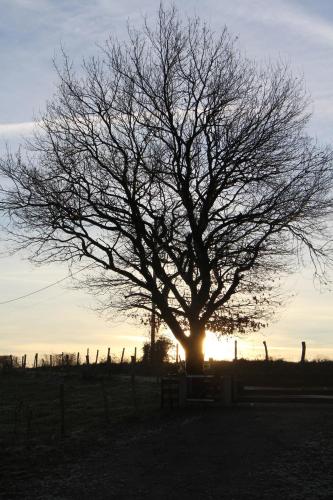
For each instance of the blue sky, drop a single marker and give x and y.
(31, 35)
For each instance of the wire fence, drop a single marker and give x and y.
(45, 405)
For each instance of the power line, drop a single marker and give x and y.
(44, 287)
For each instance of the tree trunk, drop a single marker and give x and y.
(194, 354)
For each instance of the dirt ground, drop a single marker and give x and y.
(257, 452)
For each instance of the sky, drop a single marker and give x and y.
(32, 34)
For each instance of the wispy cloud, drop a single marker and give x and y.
(289, 15)
(16, 129)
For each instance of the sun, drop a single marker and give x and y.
(215, 348)
(218, 348)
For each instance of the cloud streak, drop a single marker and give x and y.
(16, 129)
(285, 14)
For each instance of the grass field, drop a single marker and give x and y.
(31, 405)
(96, 397)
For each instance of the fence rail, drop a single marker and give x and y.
(257, 394)
(226, 391)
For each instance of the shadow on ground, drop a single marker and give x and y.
(251, 453)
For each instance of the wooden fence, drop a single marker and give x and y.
(62, 359)
(72, 359)
(47, 407)
(226, 391)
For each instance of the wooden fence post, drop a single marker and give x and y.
(51, 360)
(303, 352)
(96, 360)
(36, 360)
(108, 359)
(266, 351)
(17, 417)
(25, 360)
(62, 359)
(134, 354)
(235, 357)
(87, 357)
(234, 389)
(29, 420)
(133, 382)
(78, 359)
(226, 396)
(105, 403)
(182, 391)
(62, 409)
(122, 355)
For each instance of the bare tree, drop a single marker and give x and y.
(183, 171)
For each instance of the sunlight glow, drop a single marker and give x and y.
(218, 348)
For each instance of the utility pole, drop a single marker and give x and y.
(152, 334)
(153, 315)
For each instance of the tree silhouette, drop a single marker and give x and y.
(183, 171)
(160, 354)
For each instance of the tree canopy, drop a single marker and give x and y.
(183, 171)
